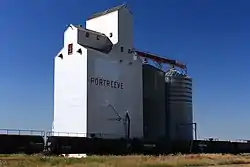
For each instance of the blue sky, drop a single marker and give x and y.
(210, 36)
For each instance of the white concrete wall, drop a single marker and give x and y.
(117, 68)
(122, 89)
(126, 28)
(119, 23)
(105, 24)
(81, 103)
(70, 89)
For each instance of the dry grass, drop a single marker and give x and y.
(124, 161)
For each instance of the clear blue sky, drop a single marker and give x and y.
(211, 36)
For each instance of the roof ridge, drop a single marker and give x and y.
(110, 10)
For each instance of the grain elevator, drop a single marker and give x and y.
(97, 80)
(103, 87)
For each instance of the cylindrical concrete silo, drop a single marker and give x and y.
(179, 109)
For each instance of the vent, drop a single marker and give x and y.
(79, 51)
(61, 56)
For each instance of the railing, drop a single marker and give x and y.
(89, 135)
(74, 134)
(53, 133)
(22, 132)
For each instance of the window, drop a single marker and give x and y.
(70, 49)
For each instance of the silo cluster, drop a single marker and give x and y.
(167, 104)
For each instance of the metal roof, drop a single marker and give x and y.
(107, 11)
(88, 30)
(174, 73)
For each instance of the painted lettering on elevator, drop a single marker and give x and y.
(106, 83)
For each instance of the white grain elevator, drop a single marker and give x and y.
(97, 80)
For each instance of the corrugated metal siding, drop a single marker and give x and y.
(154, 117)
(179, 106)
